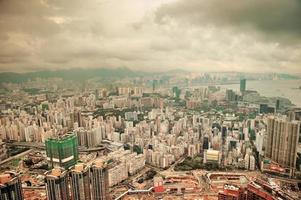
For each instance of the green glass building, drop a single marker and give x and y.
(62, 151)
(243, 85)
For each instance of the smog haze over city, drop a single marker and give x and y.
(150, 99)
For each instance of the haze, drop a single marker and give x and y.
(151, 35)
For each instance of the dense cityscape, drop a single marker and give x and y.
(149, 137)
(150, 100)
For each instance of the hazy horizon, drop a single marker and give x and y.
(150, 71)
(252, 36)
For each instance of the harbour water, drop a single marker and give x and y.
(274, 88)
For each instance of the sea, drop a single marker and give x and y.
(273, 88)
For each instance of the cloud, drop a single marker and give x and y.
(198, 35)
(276, 18)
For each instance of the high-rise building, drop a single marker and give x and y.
(80, 182)
(10, 187)
(295, 114)
(252, 165)
(231, 95)
(282, 141)
(155, 83)
(3, 151)
(206, 142)
(242, 85)
(99, 180)
(176, 92)
(124, 91)
(277, 106)
(57, 184)
(62, 151)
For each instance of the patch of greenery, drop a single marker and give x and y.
(195, 163)
(32, 91)
(137, 149)
(12, 151)
(190, 164)
(15, 162)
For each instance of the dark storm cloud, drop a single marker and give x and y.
(276, 18)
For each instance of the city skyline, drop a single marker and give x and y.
(201, 36)
(150, 99)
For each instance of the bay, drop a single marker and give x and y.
(273, 88)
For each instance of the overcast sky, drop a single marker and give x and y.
(198, 35)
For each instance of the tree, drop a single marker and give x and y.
(137, 149)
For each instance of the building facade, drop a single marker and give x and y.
(10, 187)
(62, 151)
(99, 180)
(57, 184)
(80, 182)
(282, 141)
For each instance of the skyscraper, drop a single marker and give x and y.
(62, 151)
(242, 85)
(10, 187)
(80, 182)
(3, 150)
(277, 105)
(99, 179)
(282, 141)
(57, 184)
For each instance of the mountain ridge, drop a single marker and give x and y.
(81, 74)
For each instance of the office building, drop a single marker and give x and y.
(242, 85)
(80, 182)
(62, 151)
(10, 187)
(99, 180)
(57, 184)
(282, 141)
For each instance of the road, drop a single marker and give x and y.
(15, 156)
(41, 146)
(172, 167)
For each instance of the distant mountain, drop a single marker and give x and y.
(70, 74)
(79, 74)
(288, 76)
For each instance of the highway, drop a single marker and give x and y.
(15, 156)
(41, 146)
